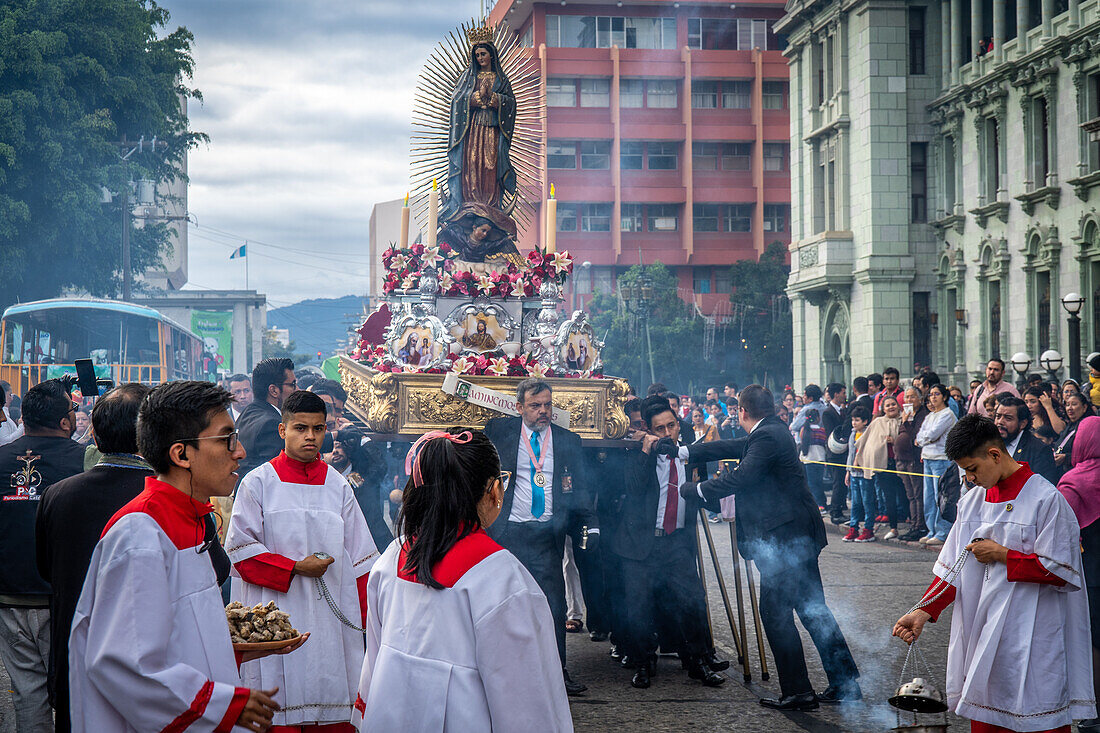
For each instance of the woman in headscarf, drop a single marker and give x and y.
(1081, 487)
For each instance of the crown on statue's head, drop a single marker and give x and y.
(484, 34)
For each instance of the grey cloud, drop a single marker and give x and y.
(308, 105)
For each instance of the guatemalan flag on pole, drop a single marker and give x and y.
(241, 251)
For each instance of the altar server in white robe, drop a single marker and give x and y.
(459, 635)
(150, 647)
(296, 519)
(1020, 657)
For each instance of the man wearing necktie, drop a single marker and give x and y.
(548, 493)
(655, 541)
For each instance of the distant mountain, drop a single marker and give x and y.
(317, 324)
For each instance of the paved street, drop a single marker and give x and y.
(867, 586)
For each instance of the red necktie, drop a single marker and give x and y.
(672, 498)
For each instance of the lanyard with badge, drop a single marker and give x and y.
(539, 478)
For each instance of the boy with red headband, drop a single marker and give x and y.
(297, 537)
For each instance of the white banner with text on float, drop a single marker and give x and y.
(454, 385)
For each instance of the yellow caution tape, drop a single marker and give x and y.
(861, 468)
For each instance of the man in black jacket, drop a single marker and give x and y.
(363, 463)
(780, 528)
(28, 466)
(72, 515)
(273, 381)
(549, 492)
(655, 541)
(1012, 418)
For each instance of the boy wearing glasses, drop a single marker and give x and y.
(297, 516)
(150, 648)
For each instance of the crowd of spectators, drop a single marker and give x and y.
(875, 457)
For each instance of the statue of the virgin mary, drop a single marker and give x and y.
(476, 130)
(482, 121)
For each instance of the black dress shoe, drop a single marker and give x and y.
(598, 636)
(698, 670)
(718, 665)
(834, 694)
(641, 678)
(805, 701)
(626, 661)
(571, 687)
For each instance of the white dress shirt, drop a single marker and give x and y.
(663, 464)
(521, 484)
(1011, 447)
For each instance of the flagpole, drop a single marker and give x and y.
(246, 265)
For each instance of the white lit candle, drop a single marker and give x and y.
(404, 240)
(551, 222)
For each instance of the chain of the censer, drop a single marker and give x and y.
(324, 593)
(950, 575)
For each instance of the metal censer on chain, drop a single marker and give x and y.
(920, 696)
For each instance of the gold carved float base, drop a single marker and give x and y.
(411, 403)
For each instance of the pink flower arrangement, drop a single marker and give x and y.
(403, 272)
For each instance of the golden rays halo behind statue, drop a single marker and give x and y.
(477, 128)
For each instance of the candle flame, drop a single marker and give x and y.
(434, 186)
(551, 190)
(406, 199)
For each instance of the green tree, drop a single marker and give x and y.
(675, 333)
(760, 328)
(78, 78)
(690, 351)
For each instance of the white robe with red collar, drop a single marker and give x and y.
(477, 655)
(1020, 655)
(150, 648)
(286, 510)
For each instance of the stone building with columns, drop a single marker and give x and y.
(942, 182)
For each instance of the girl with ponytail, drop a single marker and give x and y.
(459, 636)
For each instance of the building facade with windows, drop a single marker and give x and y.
(944, 174)
(666, 136)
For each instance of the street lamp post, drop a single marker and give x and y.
(1072, 303)
(1020, 362)
(1051, 361)
(145, 195)
(638, 297)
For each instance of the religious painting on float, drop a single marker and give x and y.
(576, 348)
(418, 342)
(481, 327)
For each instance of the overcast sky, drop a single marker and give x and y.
(308, 105)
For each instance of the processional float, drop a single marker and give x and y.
(465, 315)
